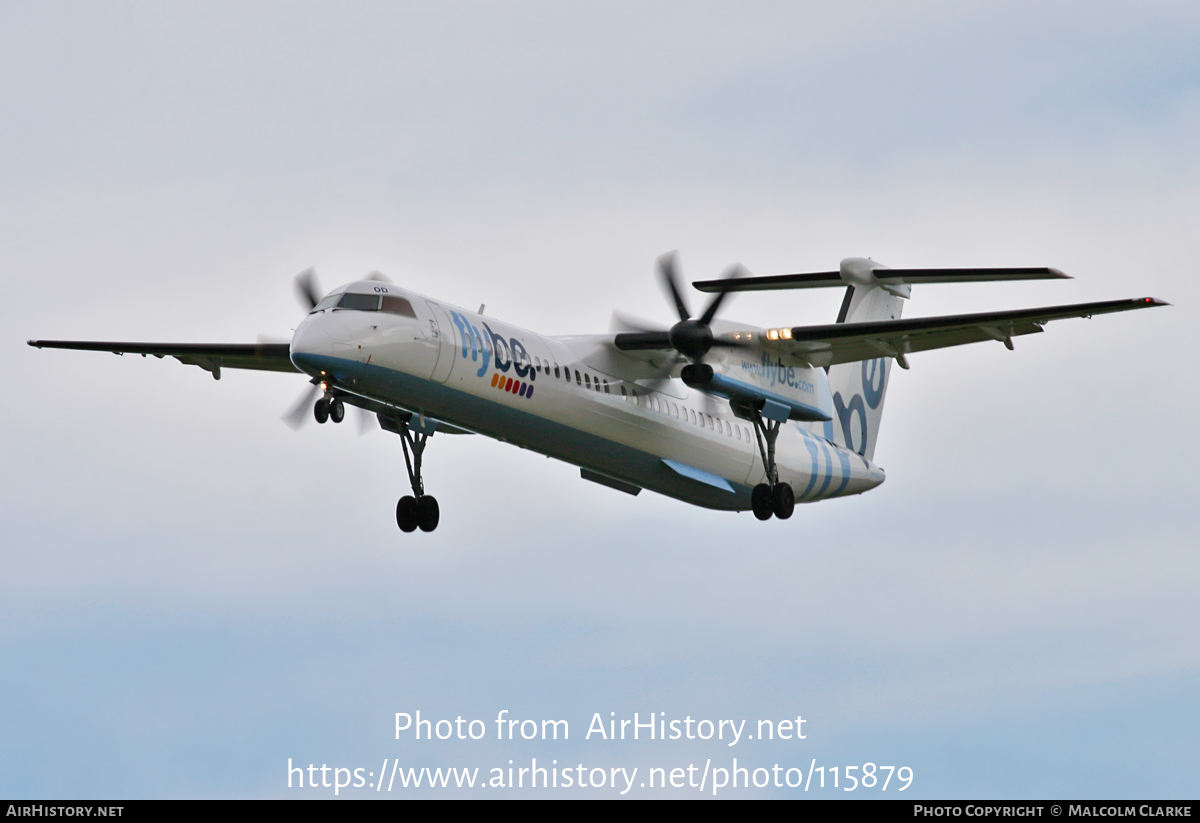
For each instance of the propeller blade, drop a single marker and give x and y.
(308, 292)
(366, 421)
(732, 273)
(621, 322)
(670, 279)
(301, 410)
(643, 340)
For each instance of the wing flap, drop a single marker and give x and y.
(208, 356)
(848, 342)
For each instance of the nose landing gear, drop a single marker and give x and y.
(329, 408)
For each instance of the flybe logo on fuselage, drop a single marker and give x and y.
(776, 372)
(496, 353)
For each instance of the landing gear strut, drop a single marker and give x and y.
(772, 497)
(418, 510)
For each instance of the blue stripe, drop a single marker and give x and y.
(828, 470)
(811, 443)
(844, 459)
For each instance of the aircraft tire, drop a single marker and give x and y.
(406, 513)
(783, 501)
(428, 514)
(337, 410)
(761, 503)
(321, 410)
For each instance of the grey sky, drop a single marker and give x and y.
(188, 586)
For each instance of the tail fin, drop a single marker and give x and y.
(858, 388)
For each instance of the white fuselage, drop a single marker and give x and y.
(578, 399)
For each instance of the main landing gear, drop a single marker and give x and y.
(772, 497)
(418, 510)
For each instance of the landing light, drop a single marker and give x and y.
(773, 334)
(786, 334)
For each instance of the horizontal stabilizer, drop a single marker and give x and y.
(891, 277)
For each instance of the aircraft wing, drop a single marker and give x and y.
(849, 342)
(210, 357)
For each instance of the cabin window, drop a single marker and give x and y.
(728, 429)
(587, 379)
(624, 394)
(738, 432)
(693, 414)
(398, 305)
(537, 363)
(578, 379)
(675, 411)
(606, 391)
(359, 302)
(556, 374)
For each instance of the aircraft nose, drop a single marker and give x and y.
(311, 344)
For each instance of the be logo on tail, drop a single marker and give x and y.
(870, 397)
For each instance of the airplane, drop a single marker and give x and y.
(715, 413)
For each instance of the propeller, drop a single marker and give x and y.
(690, 338)
(301, 411)
(308, 291)
(367, 421)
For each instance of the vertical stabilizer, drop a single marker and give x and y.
(858, 388)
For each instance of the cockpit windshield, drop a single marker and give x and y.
(367, 302)
(328, 303)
